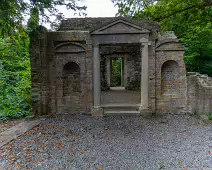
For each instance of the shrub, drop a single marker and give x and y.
(15, 77)
(210, 116)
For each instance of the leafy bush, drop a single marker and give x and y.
(116, 71)
(15, 78)
(210, 116)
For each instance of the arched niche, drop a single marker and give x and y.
(71, 78)
(170, 79)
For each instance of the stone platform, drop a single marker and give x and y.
(120, 102)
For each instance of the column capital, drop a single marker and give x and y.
(145, 41)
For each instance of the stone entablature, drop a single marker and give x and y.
(71, 66)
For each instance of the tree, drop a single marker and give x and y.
(191, 20)
(175, 15)
(15, 13)
(19, 18)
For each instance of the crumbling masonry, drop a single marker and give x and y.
(71, 68)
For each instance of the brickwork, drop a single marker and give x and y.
(62, 67)
(132, 64)
(39, 72)
(170, 77)
(199, 94)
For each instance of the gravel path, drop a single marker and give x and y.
(82, 142)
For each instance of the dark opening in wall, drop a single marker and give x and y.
(71, 78)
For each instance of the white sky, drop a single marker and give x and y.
(95, 8)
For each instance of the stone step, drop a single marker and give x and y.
(128, 107)
(121, 110)
(121, 113)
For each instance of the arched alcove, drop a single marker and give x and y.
(170, 75)
(71, 78)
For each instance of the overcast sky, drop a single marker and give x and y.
(95, 8)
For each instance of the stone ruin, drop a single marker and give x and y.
(72, 70)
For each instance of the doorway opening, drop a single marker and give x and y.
(117, 72)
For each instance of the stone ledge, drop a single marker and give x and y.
(16, 131)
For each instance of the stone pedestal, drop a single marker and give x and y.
(97, 111)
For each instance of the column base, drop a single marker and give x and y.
(145, 112)
(97, 111)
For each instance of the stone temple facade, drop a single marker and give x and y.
(71, 70)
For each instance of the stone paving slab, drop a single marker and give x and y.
(15, 131)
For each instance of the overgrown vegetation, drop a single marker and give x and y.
(116, 72)
(18, 18)
(210, 116)
(191, 20)
(15, 84)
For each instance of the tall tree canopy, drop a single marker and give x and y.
(191, 20)
(15, 13)
(171, 14)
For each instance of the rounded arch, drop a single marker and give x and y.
(170, 76)
(71, 78)
(65, 44)
(166, 41)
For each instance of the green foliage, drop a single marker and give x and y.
(198, 43)
(210, 116)
(191, 20)
(15, 78)
(116, 72)
(14, 13)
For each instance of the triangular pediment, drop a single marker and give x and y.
(120, 27)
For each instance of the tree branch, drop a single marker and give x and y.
(185, 9)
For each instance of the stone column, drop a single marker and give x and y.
(97, 110)
(108, 70)
(145, 77)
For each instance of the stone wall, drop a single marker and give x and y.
(132, 64)
(76, 47)
(39, 72)
(170, 77)
(52, 80)
(92, 24)
(62, 68)
(199, 94)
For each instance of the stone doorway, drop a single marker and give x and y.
(117, 72)
(120, 79)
